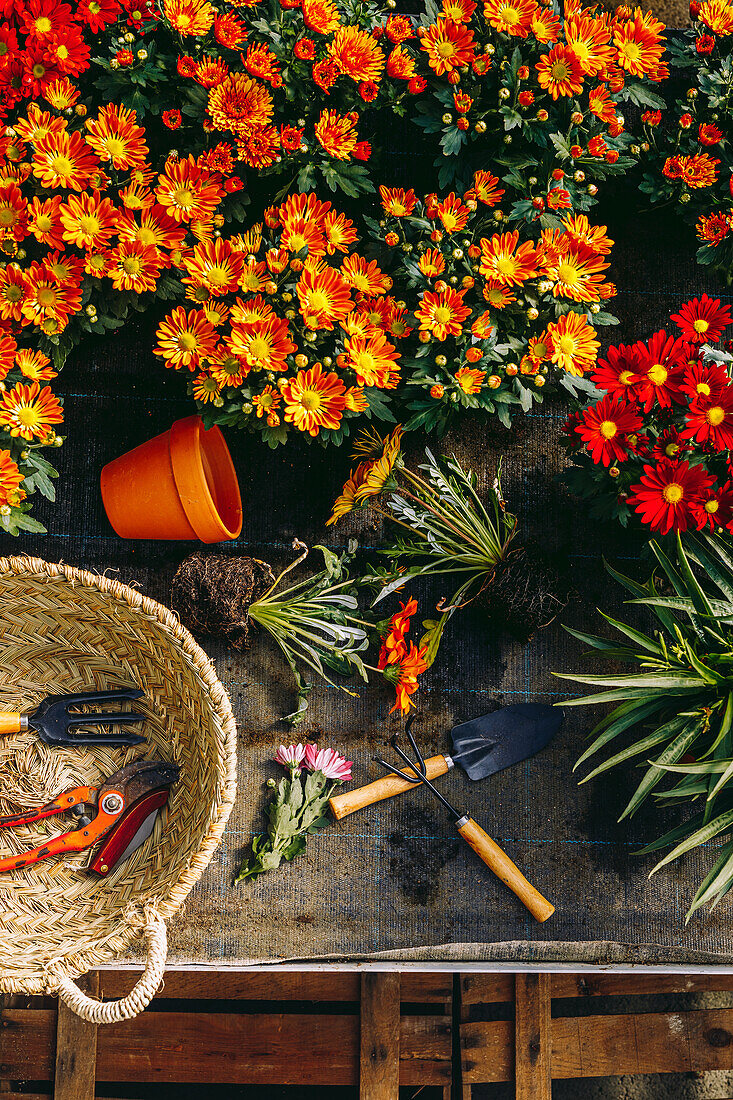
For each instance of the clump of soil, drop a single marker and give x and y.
(525, 592)
(212, 594)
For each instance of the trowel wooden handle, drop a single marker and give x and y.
(10, 722)
(500, 863)
(387, 787)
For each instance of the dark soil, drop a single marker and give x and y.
(212, 593)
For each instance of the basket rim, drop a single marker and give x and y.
(73, 965)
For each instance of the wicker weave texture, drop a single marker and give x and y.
(64, 629)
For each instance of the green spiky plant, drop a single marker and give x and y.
(676, 702)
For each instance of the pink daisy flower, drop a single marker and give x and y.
(331, 763)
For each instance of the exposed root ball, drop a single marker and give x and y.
(212, 594)
(525, 593)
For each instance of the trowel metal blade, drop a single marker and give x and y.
(495, 741)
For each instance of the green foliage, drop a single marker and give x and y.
(674, 705)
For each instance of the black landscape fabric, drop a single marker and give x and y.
(395, 878)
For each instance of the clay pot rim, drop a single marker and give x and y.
(189, 441)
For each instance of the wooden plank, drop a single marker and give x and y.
(379, 1052)
(606, 1046)
(76, 1050)
(499, 988)
(228, 1048)
(532, 1037)
(226, 985)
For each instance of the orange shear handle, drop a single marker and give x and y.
(75, 841)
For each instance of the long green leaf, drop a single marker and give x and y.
(723, 578)
(671, 837)
(635, 636)
(700, 836)
(671, 755)
(698, 596)
(592, 640)
(717, 877)
(623, 717)
(648, 742)
(681, 681)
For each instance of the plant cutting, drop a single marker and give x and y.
(674, 704)
(441, 527)
(316, 622)
(656, 447)
(299, 808)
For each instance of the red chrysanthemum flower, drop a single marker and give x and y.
(714, 508)
(666, 493)
(710, 420)
(704, 380)
(702, 320)
(620, 373)
(605, 429)
(662, 363)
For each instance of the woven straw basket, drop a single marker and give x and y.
(62, 630)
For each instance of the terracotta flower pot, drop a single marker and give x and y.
(179, 485)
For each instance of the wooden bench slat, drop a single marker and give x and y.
(417, 988)
(379, 1017)
(499, 988)
(226, 1048)
(606, 1046)
(532, 1037)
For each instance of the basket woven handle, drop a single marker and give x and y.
(113, 1012)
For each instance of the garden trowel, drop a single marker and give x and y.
(481, 747)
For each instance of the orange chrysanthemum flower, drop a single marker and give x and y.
(397, 202)
(151, 226)
(313, 400)
(30, 412)
(577, 273)
(38, 124)
(321, 16)
(356, 54)
(189, 17)
(266, 402)
(230, 31)
(410, 666)
(498, 297)
(210, 71)
(261, 148)
(432, 263)
(559, 72)
(595, 236)
(640, 44)
(240, 105)
(47, 302)
(505, 262)
(187, 192)
(699, 170)
(216, 266)
(572, 343)
(64, 160)
(303, 220)
(601, 105)
(717, 15)
(205, 388)
(470, 380)
(10, 481)
(44, 220)
(373, 359)
(323, 295)
(589, 37)
(453, 213)
(365, 276)
(261, 62)
(511, 16)
(545, 26)
(34, 365)
(400, 64)
(61, 93)
(442, 313)
(8, 349)
(185, 339)
(337, 134)
(486, 189)
(134, 266)
(12, 292)
(262, 345)
(13, 212)
(448, 45)
(88, 221)
(116, 138)
(340, 232)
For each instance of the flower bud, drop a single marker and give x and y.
(441, 361)
(437, 391)
(480, 127)
(447, 118)
(504, 93)
(533, 313)
(539, 381)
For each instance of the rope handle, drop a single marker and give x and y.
(113, 1012)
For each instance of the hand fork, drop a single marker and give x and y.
(53, 719)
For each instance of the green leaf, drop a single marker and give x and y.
(701, 836)
(646, 743)
(671, 755)
(619, 720)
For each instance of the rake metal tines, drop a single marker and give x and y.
(416, 773)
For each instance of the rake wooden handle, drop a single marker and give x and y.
(387, 787)
(10, 722)
(499, 862)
